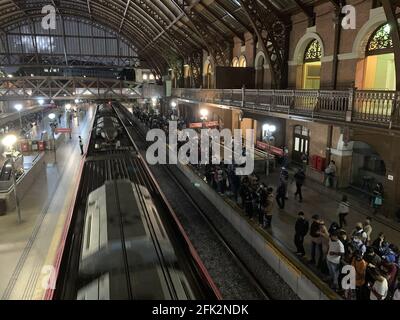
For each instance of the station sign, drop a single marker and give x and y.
(63, 130)
(196, 125)
(199, 125)
(270, 149)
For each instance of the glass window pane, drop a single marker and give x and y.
(297, 145)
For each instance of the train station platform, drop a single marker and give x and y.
(324, 202)
(319, 200)
(28, 250)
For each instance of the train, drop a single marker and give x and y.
(108, 129)
(126, 252)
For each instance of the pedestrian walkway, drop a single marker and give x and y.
(28, 250)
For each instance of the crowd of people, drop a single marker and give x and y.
(333, 250)
(376, 262)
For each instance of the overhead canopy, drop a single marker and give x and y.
(155, 30)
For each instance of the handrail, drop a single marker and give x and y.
(380, 108)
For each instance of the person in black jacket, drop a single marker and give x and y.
(281, 195)
(300, 177)
(302, 227)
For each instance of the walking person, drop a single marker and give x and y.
(299, 177)
(343, 211)
(81, 145)
(377, 201)
(281, 195)
(301, 228)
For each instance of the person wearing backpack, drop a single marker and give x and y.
(343, 212)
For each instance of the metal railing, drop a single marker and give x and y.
(379, 108)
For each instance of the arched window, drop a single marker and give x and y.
(313, 52)
(379, 70)
(235, 62)
(242, 62)
(312, 65)
(380, 41)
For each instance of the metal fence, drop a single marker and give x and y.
(379, 108)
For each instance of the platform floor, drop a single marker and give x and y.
(28, 250)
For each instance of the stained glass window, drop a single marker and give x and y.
(381, 41)
(313, 52)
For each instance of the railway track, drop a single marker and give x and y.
(252, 288)
(110, 171)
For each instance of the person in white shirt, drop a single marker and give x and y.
(380, 289)
(335, 253)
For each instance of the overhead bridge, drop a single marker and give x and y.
(67, 88)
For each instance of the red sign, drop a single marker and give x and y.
(195, 125)
(273, 150)
(63, 130)
(199, 125)
(212, 124)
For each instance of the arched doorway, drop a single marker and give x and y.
(312, 65)
(368, 168)
(301, 143)
(379, 64)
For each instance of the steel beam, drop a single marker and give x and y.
(273, 34)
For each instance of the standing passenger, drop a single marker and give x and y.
(302, 227)
(81, 145)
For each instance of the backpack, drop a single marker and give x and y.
(314, 230)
